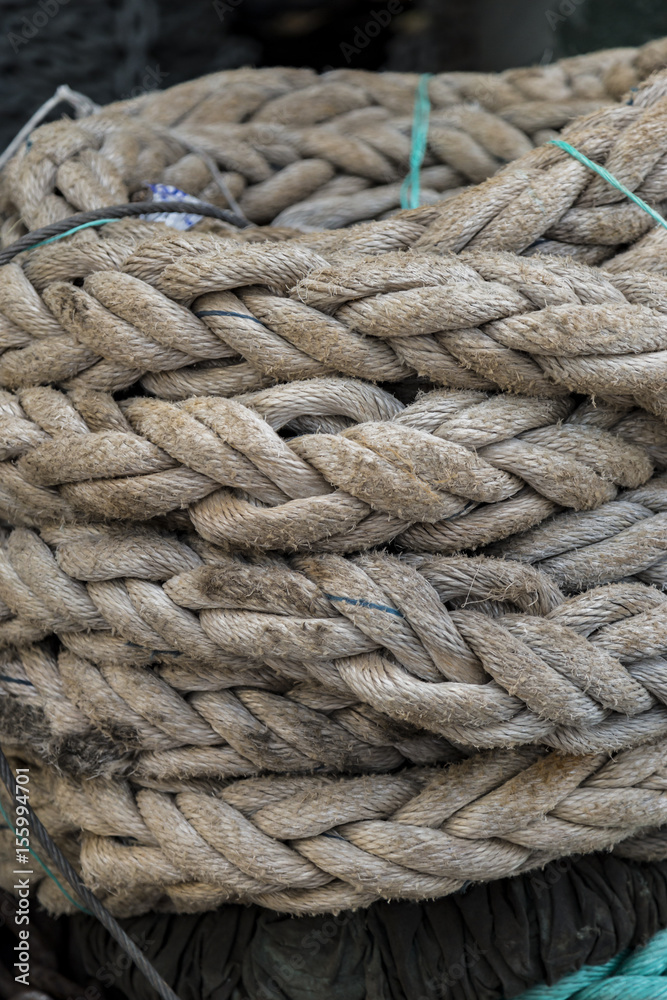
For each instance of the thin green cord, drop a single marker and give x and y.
(410, 186)
(84, 225)
(609, 178)
(37, 857)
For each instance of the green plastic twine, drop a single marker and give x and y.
(60, 236)
(410, 186)
(39, 860)
(610, 179)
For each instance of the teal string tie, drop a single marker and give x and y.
(610, 179)
(631, 975)
(422, 111)
(61, 236)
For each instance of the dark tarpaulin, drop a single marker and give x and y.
(492, 941)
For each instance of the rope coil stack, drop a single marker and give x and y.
(245, 646)
(304, 151)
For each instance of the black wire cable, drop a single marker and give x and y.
(92, 902)
(28, 241)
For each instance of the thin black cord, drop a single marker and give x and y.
(92, 902)
(28, 241)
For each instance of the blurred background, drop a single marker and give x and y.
(111, 49)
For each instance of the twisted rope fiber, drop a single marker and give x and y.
(624, 538)
(543, 197)
(636, 975)
(263, 730)
(142, 663)
(351, 483)
(94, 905)
(601, 172)
(320, 844)
(101, 158)
(483, 320)
(284, 135)
(584, 674)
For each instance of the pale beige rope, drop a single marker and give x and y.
(176, 721)
(365, 471)
(284, 132)
(314, 844)
(547, 202)
(90, 160)
(539, 327)
(627, 537)
(508, 663)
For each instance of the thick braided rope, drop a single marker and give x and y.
(199, 315)
(117, 717)
(317, 844)
(621, 538)
(281, 135)
(365, 470)
(549, 203)
(481, 652)
(341, 163)
(627, 537)
(543, 195)
(636, 975)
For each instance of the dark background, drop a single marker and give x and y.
(109, 49)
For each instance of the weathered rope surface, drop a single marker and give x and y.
(624, 538)
(318, 844)
(481, 652)
(189, 649)
(548, 203)
(539, 327)
(306, 150)
(369, 470)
